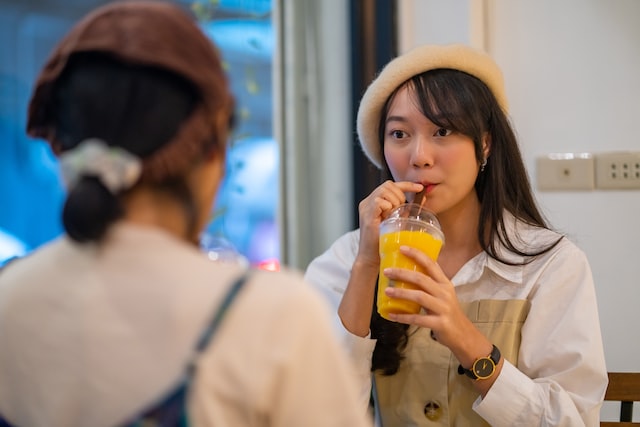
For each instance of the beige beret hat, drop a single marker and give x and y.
(399, 70)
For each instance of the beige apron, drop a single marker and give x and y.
(427, 389)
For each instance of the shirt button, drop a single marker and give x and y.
(432, 410)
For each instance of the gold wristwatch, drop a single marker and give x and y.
(483, 367)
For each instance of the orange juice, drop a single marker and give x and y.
(390, 256)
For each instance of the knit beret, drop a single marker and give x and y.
(419, 60)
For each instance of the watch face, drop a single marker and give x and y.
(483, 368)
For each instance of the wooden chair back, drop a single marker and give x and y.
(624, 387)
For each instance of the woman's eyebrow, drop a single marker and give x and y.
(396, 119)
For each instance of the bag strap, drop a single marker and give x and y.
(233, 291)
(171, 410)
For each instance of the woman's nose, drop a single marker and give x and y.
(421, 153)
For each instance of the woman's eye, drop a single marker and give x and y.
(443, 132)
(398, 134)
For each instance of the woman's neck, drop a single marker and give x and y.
(460, 227)
(146, 207)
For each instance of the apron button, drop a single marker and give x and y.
(432, 410)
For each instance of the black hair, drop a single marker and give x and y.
(138, 108)
(458, 101)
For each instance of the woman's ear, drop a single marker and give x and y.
(486, 146)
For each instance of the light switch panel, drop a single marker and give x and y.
(565, 172)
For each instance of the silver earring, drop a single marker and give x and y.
(483, 164)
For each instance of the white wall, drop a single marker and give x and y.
(571, 70)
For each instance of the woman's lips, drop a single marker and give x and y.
(429, 187)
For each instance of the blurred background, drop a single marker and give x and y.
(244, 217)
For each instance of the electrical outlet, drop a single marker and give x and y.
(565, 171)
(618, 170)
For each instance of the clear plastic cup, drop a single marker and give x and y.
(408, 225)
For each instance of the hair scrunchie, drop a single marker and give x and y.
(116, 168)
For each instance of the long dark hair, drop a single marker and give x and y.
(138, 108)
(461, 102)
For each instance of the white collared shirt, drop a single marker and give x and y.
(560, 377)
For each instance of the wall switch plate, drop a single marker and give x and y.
(618, 170)
(565, 171)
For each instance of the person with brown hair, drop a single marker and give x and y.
(508, 334)
(123, 320)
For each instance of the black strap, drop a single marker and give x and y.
(208, 334)
(170, 410)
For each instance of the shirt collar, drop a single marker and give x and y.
(474, 268)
